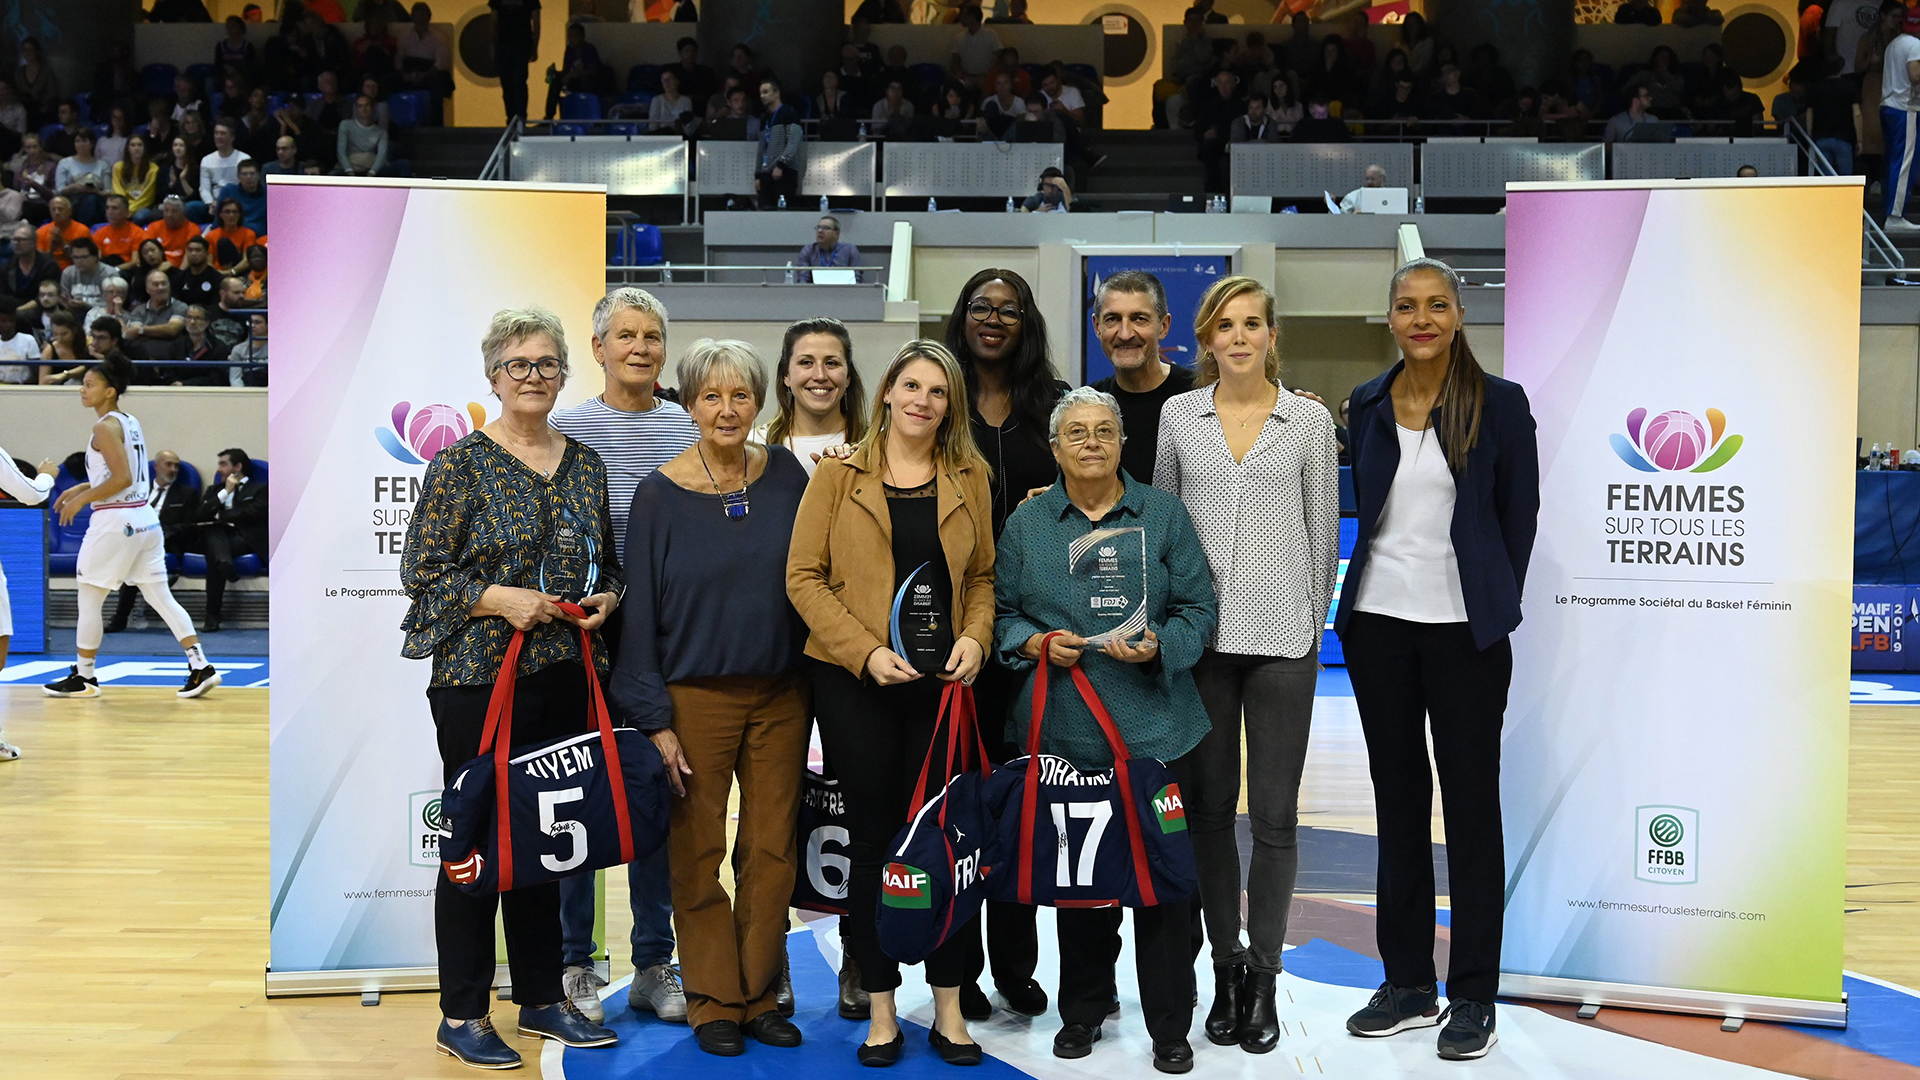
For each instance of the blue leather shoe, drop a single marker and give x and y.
(564, 1023)
(475, 1043)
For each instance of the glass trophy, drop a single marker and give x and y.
(1109, 568)
(922, 628)
(570, 569)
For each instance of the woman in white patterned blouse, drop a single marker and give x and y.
(1257, 469)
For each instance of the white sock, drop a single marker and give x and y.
(85, 664)
(196, 658)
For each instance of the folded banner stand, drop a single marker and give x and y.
(1674, 767)
(376, 368)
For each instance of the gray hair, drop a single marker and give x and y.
(114, 281)
(627, 297)
(1131, 281)
(1084, 395)
(512, 325)
(707, 359)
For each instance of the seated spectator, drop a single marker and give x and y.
(744, 67)
(893, 113)
(1452, 100)
(173, 230)
(155, 330)
(197, 279)
(1374, 177)
(1213, 117)
(199, 345)
(955, 115)
(1527, 121)
(1662, 76)
(1492, 83)
(1192, 57)
(833, 102)
(27, 264)
(188, 97)
(776, 173)
(83, 178)
(1008, 64)
(113, 301)
(975, 48)
(696, 79)
(256, 279)
(1283, 103)
(56, 237)
(233, 522)
(159, 129)
(33, 170)
(18, 351)
(328, 107)
(195, 129)
(67, 124)
(1586, 89)
(112, 146)
(64, 354)
(178, 504)
(119, 236)
(579, 71)
(251, 194)
(1321, 126)
(1003, 109)
(136, 181)
(254, 351)
(148, 257)
(1637, 112)
(894, 69)
(82, 282)
(1641, 12)
(1333, 72)
(105, 338)
(227, 322)
(739, 110)
(234, 50)
(259, 127)
(1252, 61)
(826, 249)
(382, 116)
(426, 62)
(221, 166)
(45, 304)
(1066, 99)
(1561, 114)
(1054, 195)
(1041, 124)
(286, 159)
(1735, 106)
(374, 51)
(855, 80)
(670, 109)
(1403, 102)
(1255, 126)
(182, 179)
(361, 144)
(1016, 15)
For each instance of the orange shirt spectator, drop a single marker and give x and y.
(1810, 21)
(173, 239)
(240, 236)
(119, 242)
(1022, 79)
(47, 243)
(329, 10)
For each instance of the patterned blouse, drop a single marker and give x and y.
(483, 520)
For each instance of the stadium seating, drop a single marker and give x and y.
(63, 546)
(643, 79)
(408, 108)
(156, 80)
(577, 107)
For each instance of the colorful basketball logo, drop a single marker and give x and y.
(417, 435)
(1676, 441)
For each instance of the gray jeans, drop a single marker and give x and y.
(1275, 695)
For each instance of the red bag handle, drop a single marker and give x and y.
(498, 736)
(1121, 776)
(957, 709)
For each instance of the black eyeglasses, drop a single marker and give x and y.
(547, 366)
(981, 311)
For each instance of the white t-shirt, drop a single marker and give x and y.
(1069, 97)
(1412, 572)
(1850, 20)
(18, 347)
(804, 446)
(1896, 90)
(217, 172)
(977, 51)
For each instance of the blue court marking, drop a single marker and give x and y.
(1885, 688)
(650, 1047)
(236, 673)
(1333, 682)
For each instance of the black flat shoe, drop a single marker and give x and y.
(974, 1005)
(1260, 1026)
(1028, 1000)
(722, 1038)
(1173, 1056)
(885, 1054)
(1075, 1040)
(954, 1053)
(1223, 1020)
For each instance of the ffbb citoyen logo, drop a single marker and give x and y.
(1666, 843)
(424, 822)
(903, 886)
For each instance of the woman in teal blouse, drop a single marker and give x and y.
(1147, 684)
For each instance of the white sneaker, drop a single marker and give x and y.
(1900, 225)
(657, 990)
(8, 751)
(582, 985)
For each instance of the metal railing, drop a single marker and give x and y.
(496, 166)
(1877, 251)
(792, 271)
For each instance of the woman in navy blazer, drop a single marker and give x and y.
(1447, 478)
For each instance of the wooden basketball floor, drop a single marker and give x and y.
(133, 892)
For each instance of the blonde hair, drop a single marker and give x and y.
(513, 324)
(953, 444)
(1223, 292)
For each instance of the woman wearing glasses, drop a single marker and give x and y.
(997, 333)
(472, 566)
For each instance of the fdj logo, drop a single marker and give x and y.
(1666, 845)
(425, 822)
(1169, 809)
(903, 886)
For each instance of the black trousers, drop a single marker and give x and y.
(877, 739)
(1012, 935)
(223, 544)
(548, 704)
(1405, 673)
(771, 189)
(511, 62)
(1089, 947)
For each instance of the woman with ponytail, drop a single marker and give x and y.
(1448, 482)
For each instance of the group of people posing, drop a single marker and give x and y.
(746, 592)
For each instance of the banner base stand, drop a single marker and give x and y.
(362, 981)
(1733, 1008)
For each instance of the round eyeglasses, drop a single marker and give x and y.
(981, 311)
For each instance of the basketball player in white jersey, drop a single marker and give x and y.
(123, 545)
(30, 493)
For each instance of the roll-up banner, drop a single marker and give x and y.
(388, 288)
(1674, 769)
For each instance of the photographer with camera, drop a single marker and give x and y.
(1053, 196)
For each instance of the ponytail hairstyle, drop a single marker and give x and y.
(1215, 300)
(1463, 391)
(117, 370)
(781, 425)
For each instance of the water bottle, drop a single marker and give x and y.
(666, 273)
(790, 271)
(932, 207)
(823, 204)
(1011, 209)
(783, 202)
(1419, 204)
(1873, 459)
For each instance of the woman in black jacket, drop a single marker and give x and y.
(1447, 477)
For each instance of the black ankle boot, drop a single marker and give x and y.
(1223, 1020)
(1260, 1030)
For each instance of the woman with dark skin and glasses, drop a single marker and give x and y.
(997, 333)
(1447, 476)
(472, 567)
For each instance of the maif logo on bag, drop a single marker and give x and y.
(904, 886)
(1171, 812)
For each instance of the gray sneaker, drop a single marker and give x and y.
(657, 990)
(582, 986)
